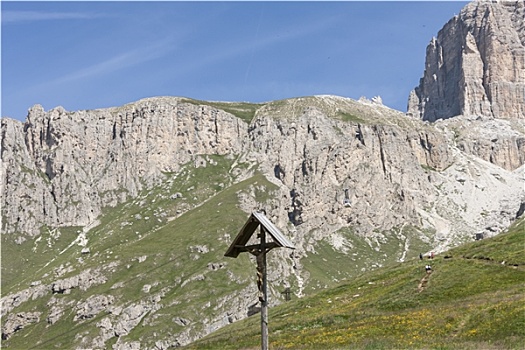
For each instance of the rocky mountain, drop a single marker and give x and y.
(476, 65)
(115, 221)
(90, 196)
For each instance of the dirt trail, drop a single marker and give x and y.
(423, 283)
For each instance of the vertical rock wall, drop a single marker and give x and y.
(314, 158)
(61, 168)
(476, 65)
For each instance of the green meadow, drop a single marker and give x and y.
(474, 298)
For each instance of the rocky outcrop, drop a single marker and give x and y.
(10, 301)
(18, 321)
(83, 281)
(495, 140)
(92, 306)
(130, 317)
(476, 65)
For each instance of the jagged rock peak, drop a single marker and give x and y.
(476, 65)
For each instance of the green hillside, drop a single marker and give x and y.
(473, 299)
(154, 250)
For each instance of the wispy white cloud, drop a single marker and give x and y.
(28, 16)
(123, 60)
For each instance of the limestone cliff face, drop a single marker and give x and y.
(495, 141)
(61, 168)
(398, 171)
(381, 165)
(476, 65)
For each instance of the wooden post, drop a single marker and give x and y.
(264, 300)
(260, 250)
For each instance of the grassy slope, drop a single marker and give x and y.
(329, 266)
(470, 301)
(30, 256)
(143, 228)
(243, 110)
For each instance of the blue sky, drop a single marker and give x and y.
(88, 55)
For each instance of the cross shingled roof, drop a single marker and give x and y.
(256, 219)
